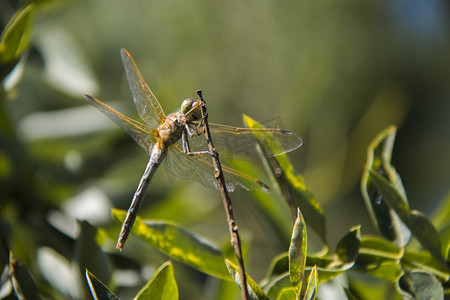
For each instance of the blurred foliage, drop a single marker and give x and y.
(335, 72)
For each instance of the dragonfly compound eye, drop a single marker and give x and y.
(187, 105)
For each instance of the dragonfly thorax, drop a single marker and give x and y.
(171, 130)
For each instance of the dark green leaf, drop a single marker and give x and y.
(23, 282)
(179, 244)
(16, 35)
(98, 290)
(420, 285)
(161, 286)
(88, 255)
(348, 247)
(297, 253)
(255, 292)
(291, 185)
(379, 160)
(419, 225)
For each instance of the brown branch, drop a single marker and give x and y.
(232, 226)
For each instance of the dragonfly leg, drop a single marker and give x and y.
(187, 149)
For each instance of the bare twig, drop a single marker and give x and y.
(218, 174)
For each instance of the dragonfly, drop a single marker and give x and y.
(178, 139)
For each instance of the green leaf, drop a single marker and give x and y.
(161, 286)
(426, 262)
(387, 270)
(379, 160)
(23, 282)
(255, 292)
(277, 284)
(16, 35)
(98, 290)
(375, 246)
(291, 184)
(420, 285)
(419, 225)
(311, 288)
(297, 253)
(347, 248)
(179, 244)
(287, 294)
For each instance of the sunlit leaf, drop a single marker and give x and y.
(179, 244)
(379, 160)
(420, 285)
(311, 288)
(23, 282)
(419, 225)
(292, 186)
(254, 291)
(16, 35)
(161, 286)
(98, 290)
(297, 253)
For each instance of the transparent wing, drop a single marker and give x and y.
(146, 103)
(199, 168)
(240, 143)
(142, 134)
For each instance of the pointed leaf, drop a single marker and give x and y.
(254, 291)
(311, 288)
(347, 248)
(291, 184)
(98, 290)
(419, 225)
(420, 285)
(23, 282)
(161, 286)
(297, 253)
(179, 244)
(379, 160)
(16, 35)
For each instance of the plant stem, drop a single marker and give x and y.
(232, 226)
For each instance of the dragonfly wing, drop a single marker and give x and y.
(146, 103)
(241, 143)
(142, 134)
(200, 168)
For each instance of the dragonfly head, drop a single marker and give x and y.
(191, 108)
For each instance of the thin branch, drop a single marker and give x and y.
(232, 226)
